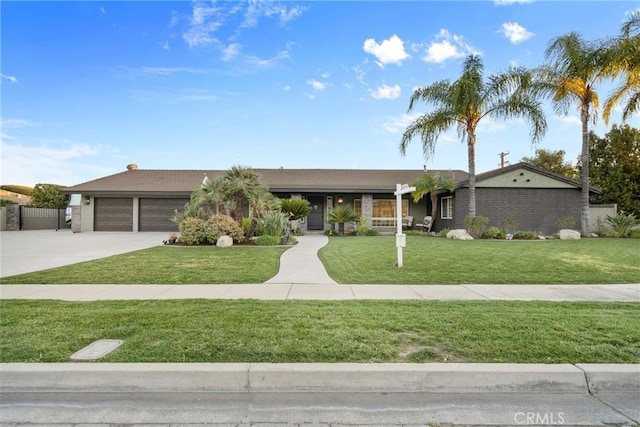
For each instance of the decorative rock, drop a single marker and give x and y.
(224, 242)
(566, 234)
(460, 234)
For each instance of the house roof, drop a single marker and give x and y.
(183, 182)
(527, 166)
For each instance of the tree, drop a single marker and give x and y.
(431, 184)
(242, 182)
(214, 194)
(569, 79)
(341, 215)
(615, 167)
(468, 100)
(49, 196)
(623, 59)
(552, 161)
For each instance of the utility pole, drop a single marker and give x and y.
(502, 156)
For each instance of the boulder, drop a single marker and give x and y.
(566, 234)
(224, 242)
(460, 234)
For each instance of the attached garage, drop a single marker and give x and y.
(113, 214)
(155, 214)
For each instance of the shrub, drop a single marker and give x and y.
(494, 233)
(373, 232)
(266, 240)
(223, 225)
(510, 223)
(273, 223)
(295, 208)
(189, 211)
(443, 232)
(635, 234)
(363, 227)
(621, 224)
(565, 222)
(416, 233)
(246, 225)
(476, 225)
(193, 231)
(342, 215)
(526, 235)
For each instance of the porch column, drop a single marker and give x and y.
(367, 208)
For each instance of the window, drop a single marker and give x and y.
(446, 207)
(384, 211)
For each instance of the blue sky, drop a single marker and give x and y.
(89, 87)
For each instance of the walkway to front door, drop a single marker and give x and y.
(301, 264)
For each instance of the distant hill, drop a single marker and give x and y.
(17, 189)
(15, 194)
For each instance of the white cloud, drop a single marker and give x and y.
(446, 47)
(12, 79)
(510, 2)
(317, 85)
(58, 162)
(165, 45)
(390, 51)
(230, 52)
(387, 92)
(515, 32)
(286, 88)
(258, 9)
(16, 123)
(397, 124)
(205, 20)
(167, 71)
(267, 63)
(568, 120)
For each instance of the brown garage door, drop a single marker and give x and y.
(155, 214)
(113, 214)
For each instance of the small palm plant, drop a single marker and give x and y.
(340, 215)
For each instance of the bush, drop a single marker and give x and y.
(362, 228)
(494, 233)
(193, 231)
(266, 240)
(621, 224)
(526, 235)
(189, 211)
(223, 225)
(565, 222)
(510, 223)
(635, 234)
(443, 232)
(246, 225)
(373, 232)
(272, 223)
(295, 208)
(476, 225)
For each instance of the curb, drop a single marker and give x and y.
(313, 377)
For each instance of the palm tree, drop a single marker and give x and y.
(242, 182)
(576, 66)
(468, 100)
(341, 215)
(623, 59)
(260, 202)
(431, 184)
(212, 193)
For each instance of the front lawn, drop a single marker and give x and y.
(429, 260)
(167, 265)
(354, 331)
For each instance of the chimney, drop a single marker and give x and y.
(132, 167)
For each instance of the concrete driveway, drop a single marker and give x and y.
(34, 250)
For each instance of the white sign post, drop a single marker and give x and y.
(401, 239)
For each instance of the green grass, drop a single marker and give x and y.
(428, 260)
(167, 265)
(360, 331)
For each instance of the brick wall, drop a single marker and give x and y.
(535, 209)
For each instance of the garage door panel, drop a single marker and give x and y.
(113, 214)
(155, 214)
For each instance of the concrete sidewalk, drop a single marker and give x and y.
(611, 293)
(301, 264)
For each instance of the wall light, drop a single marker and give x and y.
(340, 200)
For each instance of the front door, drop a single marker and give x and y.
(316, 215)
